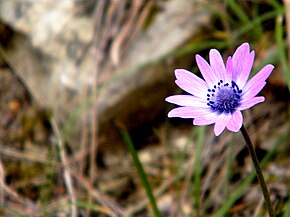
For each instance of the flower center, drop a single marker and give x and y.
(224, 98)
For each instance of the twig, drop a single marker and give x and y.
(15, 153)
(66, 172)
(113, 209)
(126, 32)
(98, 13)
(84, 135)
(2, 183)
(258, 208)
(28, 207)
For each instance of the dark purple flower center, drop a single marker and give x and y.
(224, 98)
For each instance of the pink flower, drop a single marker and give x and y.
(224, 92)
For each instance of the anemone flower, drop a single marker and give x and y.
(224, 92)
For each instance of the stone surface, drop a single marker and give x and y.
(60, 49)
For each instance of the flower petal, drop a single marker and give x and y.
(255, 89)
(187, 100)
(191, 83)
(235, 122)
(182, 112)
(238, 59)
(206, 119)
(246, 65)
(260, 77)
(250, 103)
(188, 112)
(206, 71)
(217, 64)
(220, 124)
(229, 70)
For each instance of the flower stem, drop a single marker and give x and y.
(258, 171)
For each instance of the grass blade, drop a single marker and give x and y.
(281, 50)
(238, 11)
(287, 209)
(198, 168)
(141, 172)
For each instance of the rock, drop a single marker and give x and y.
(60, 49)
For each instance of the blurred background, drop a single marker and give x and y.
(76, 75)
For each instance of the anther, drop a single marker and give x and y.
(224, 97)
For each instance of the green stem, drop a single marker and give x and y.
(258, 171)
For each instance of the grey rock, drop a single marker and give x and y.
(60, 52)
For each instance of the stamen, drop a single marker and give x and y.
(226, 99)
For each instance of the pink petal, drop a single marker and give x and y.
(235, 122)
(246, 67)
(188, 112)
(260, 77)
(220, 124)
(250, 103)
(229, 70)
(187, 100)
(191, 83)
(206, 71)
(255, 89)
(204, 120)
(238, 59)
(217, 64)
